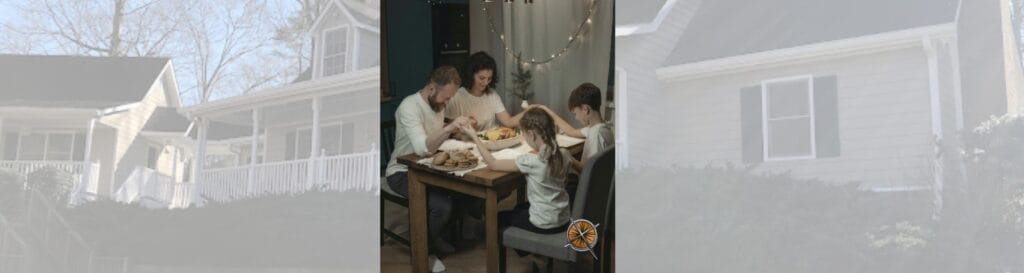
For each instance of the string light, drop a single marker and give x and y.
(575, 37)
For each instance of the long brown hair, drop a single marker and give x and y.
(537, 122)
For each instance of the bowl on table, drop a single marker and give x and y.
(500, 138)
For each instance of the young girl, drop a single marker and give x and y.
(545, 167)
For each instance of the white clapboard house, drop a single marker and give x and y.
(869, 91)
(317, 133)
(93, 117)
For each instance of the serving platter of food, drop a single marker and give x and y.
(452, 161)
(500, 138)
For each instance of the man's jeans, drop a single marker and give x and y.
(439, 204)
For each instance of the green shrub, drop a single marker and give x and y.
(52, 182)
(730, 220)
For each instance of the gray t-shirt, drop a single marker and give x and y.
(549, 202)
(598, 138)
(484, 108)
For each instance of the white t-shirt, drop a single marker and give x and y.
(598, 138)
(414, 121)
(484, 108)
(549, 202)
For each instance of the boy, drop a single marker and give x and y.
(585, 104)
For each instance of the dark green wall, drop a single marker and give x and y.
(409, 50)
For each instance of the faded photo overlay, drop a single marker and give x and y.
(189, 136)
(820, 136)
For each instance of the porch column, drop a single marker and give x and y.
(85, 183)
(314, 151)
(253, 143)
(174, 165)
(3, 152)
(200, 160)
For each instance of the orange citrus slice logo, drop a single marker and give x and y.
(582, 236)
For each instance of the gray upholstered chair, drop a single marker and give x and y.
(593, 202)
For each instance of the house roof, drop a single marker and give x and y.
(362, 15)
(726, 28)
(166, 119)
(638, 12)
(76, 81)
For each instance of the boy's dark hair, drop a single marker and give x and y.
(445, 75)
(477, 62)
(586, 94)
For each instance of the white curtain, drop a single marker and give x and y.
(539, 30)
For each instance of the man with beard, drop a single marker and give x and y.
(420, 129)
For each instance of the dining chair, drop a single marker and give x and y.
(387, 134)
(593, 202)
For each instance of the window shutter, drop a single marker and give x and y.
(826, 116)
(751, 124)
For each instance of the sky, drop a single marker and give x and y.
(9, 13)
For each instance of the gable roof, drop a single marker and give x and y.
(726, 28)
(362, 15)
(166, 119)
(76, 81)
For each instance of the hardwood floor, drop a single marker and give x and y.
(394, 258)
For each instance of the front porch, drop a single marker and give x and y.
(84, 174)
(32, 139)
(346, 172)
(309, 136)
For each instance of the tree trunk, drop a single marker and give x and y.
(115, 31)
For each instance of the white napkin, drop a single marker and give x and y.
(565, 141)
(456, 145)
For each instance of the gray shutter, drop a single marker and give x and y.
(826, 116)
(751, 124)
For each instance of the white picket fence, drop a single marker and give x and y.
(334, 173)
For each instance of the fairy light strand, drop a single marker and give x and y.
(546, 58)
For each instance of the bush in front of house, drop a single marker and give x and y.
(727, 219)
(982, 223)
(307, 229)
(54, 183)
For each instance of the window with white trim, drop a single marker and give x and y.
(335, 139)
(43, 145)
(334, 51)
(788, 115)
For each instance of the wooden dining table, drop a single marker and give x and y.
(491, 186)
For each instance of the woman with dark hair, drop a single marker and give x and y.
(477, 98)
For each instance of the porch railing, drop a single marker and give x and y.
(153, 190)
(335, 173)
(85, 188)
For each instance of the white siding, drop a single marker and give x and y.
(640, 56)
(130, 148)
(884, 119)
